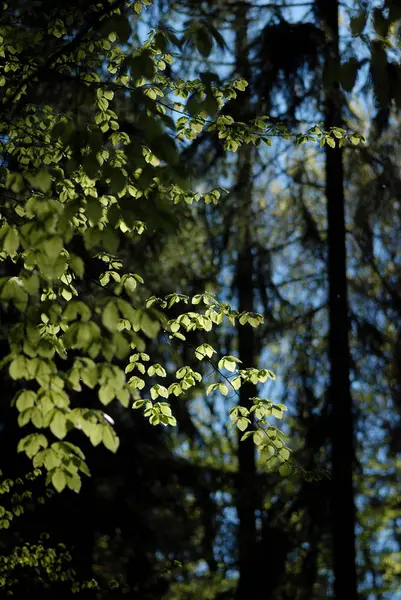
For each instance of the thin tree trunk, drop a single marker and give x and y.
(246, 492)
(342, 434)
(246, 486)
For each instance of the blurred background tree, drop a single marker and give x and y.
(192, 513)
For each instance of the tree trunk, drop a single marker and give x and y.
(246, 482)
(246, 492)
(342, 434)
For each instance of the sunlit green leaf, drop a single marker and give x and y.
(110, 439)
(59, 479)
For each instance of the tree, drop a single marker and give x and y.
(72, 173)
(282, 65)
(73, 179)
(341, 406)
(244, 282)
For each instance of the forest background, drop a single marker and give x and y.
(199, 212)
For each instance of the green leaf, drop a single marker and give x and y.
(59, 480)
(236, 382)
(36, 418)
(95, 433)
(149, 326)
(11, 241)
(138, 403)
(276, 412)
(176, 389)
(136, 383)
(90, 376)
(111, 317)
(52, 460)
(32, 443)
(157, 370)
(285, 470)
(74, 482)
(24, 417)
(130, 284)
(123, 397)
(58, 425)
(165, 409)
(211, 388)
(242, 423)
(267, 450)
(52, 247)
(259, 437)
(158, 390)
(284, 454)
(203, 351)
(243, 319)
(241, 84)
(25, 400)
(77, 265)
(223, 389)
(110, 439)
(42, 181)
(17, 368)
(106, 394)
(229, 363)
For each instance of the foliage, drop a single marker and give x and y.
(71, 180)
(101, 201)
(38, 563)
(289, 237)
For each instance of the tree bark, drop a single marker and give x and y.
(246, 481)
(340, 399)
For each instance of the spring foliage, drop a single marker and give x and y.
(71, 177)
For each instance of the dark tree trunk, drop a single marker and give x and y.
(246, 482)
(342, 434)
(246, 492)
